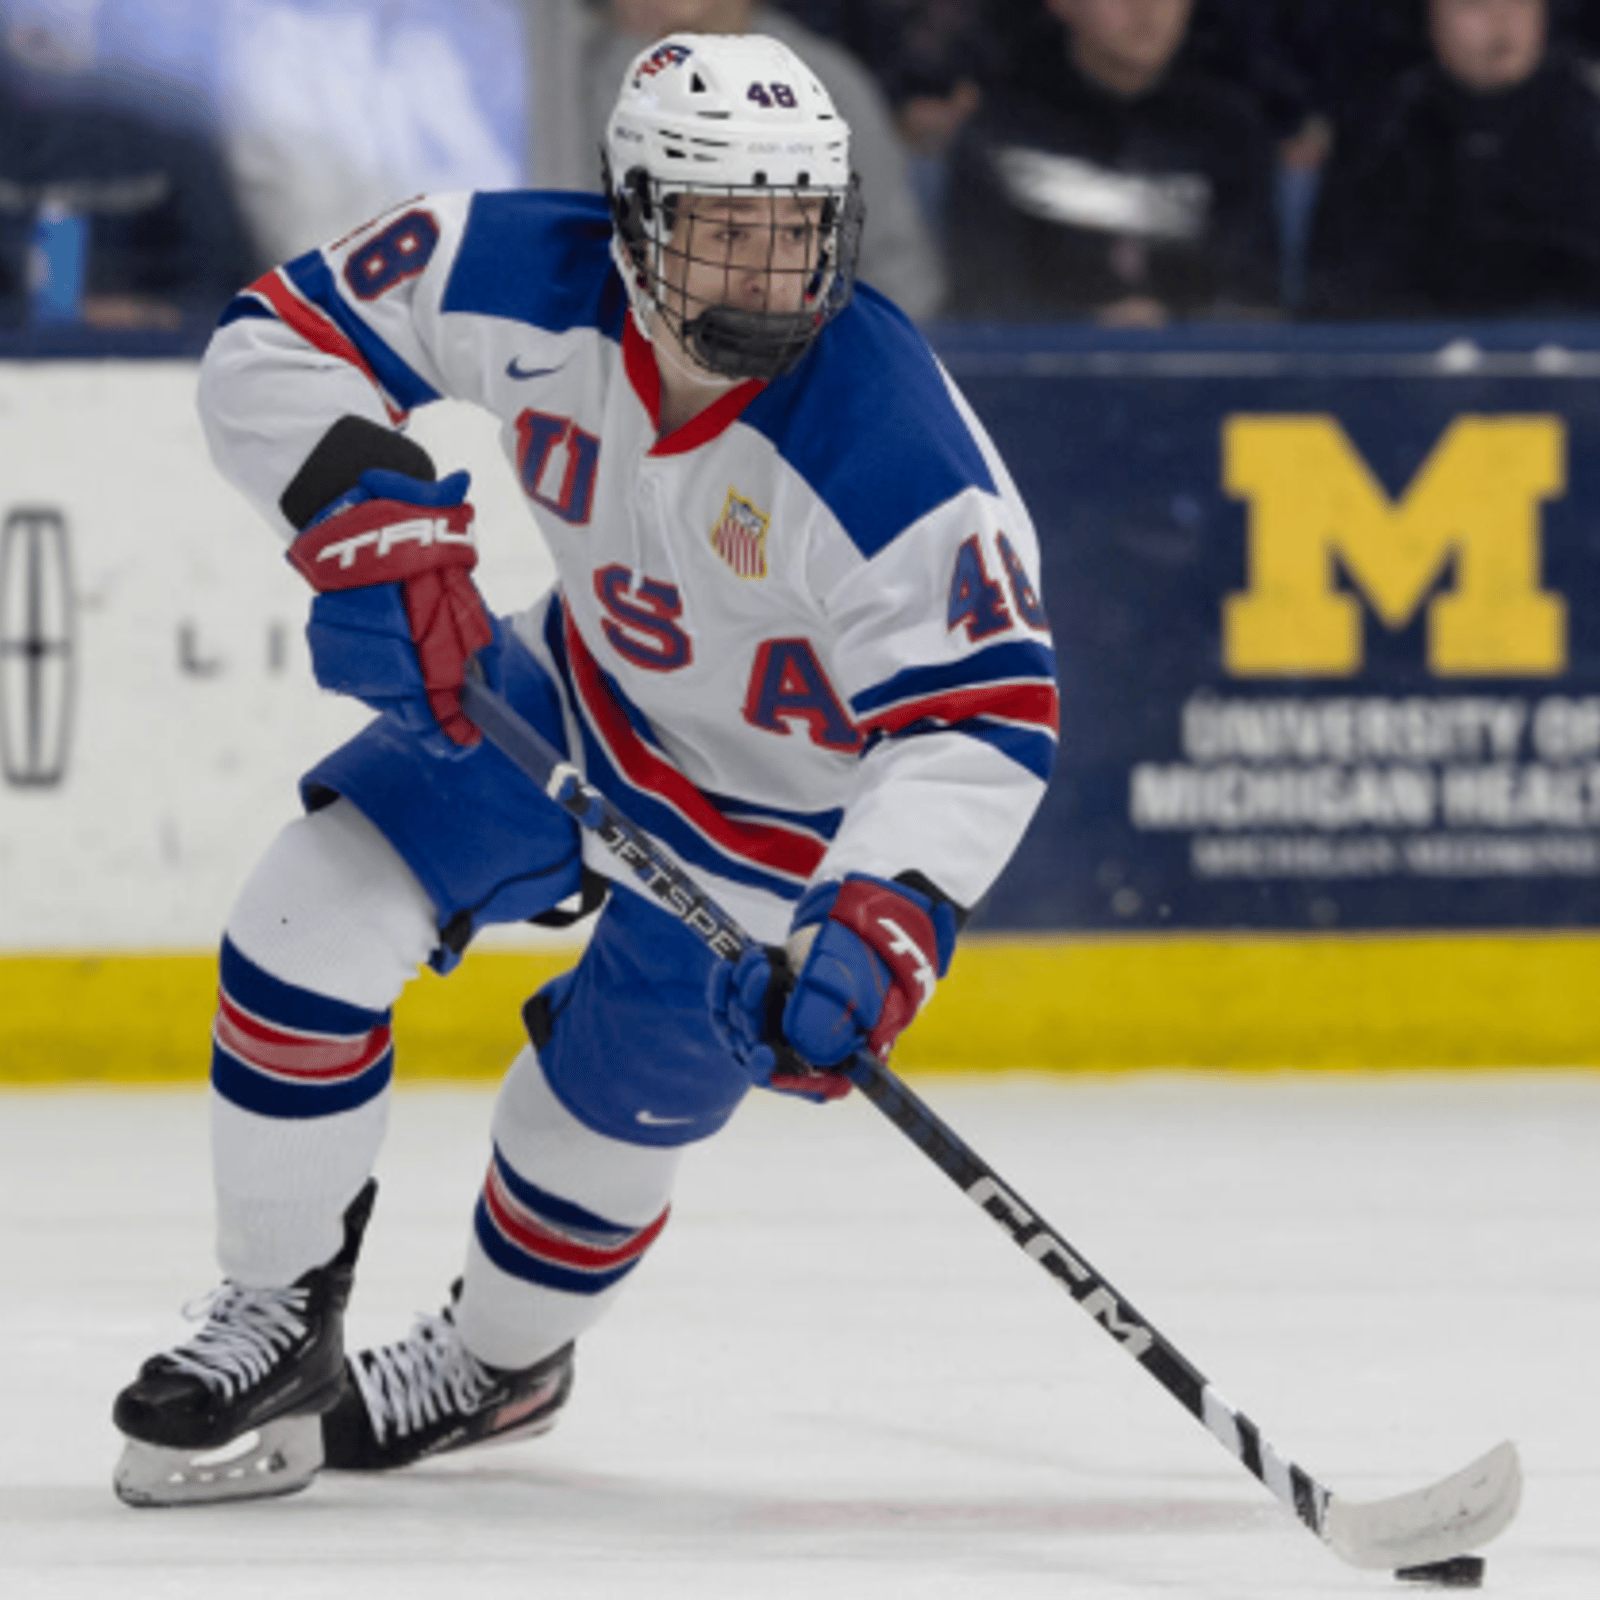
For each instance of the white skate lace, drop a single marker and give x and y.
(245, 1331)
(429, 1375)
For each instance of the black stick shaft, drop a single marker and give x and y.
(1105, 1305)
(677, 893)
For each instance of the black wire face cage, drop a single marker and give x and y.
(746, 275)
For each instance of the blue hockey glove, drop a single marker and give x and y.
(868, 955)
(397, 615)
(872, 963)
(746, 999)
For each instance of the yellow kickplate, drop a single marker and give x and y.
(1249, 1002)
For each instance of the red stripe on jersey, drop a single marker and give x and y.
(721, 414)
(321, 1057)
(528, 1233)
(639, 362)
(318, 329)
(1034, 704)
(764, 844)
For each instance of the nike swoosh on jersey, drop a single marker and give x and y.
(651, 1120)
(514, 369)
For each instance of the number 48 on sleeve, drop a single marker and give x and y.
(978, 602)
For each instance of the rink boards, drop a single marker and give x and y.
(1251, 1003)
(1336, 809)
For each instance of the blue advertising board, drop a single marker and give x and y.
(1327, 610)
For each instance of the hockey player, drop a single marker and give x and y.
(796, 633)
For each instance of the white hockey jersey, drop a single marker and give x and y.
(800, 636)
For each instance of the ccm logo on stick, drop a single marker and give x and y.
(1038, 1242)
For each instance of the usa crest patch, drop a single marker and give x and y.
(740, 536)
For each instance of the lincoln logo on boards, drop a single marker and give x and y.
(1474, 510)
(37, 655)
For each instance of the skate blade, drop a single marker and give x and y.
(279, 1457)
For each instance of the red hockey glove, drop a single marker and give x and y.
(397, 615)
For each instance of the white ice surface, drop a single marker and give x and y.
(833, 1377)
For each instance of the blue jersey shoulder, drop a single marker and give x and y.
(868, 421)
(539, 257)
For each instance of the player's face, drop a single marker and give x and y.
(754, 253)
(1489, 45)
(1134, 36)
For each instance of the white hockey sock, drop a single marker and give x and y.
(565, 1215)
(328, 930)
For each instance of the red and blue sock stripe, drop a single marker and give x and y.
(283, 1051)
(541, 1238)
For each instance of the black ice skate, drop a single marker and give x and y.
(233, 1413)
(429, 1393)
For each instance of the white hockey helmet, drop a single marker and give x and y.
(731, 116)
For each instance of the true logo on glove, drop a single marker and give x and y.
(902, 944)
(397, 616)
(423, 531)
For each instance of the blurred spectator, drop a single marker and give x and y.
(1578, 24)
(1316, 68)
(931, 58)
(1479, 191)
(899, 254)
(1107, 180)
(1325, 60)
(107, 216)
(153, 57)
(334, 110)
(839, 20)
(328, 111)
(924, 53)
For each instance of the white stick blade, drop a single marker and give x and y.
(1449, 1518)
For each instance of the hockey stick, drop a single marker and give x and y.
(1416, 1530)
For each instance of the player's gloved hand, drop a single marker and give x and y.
(397, 615)
(747, 999)
(864, 956)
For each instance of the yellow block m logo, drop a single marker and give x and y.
(1474, 504)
